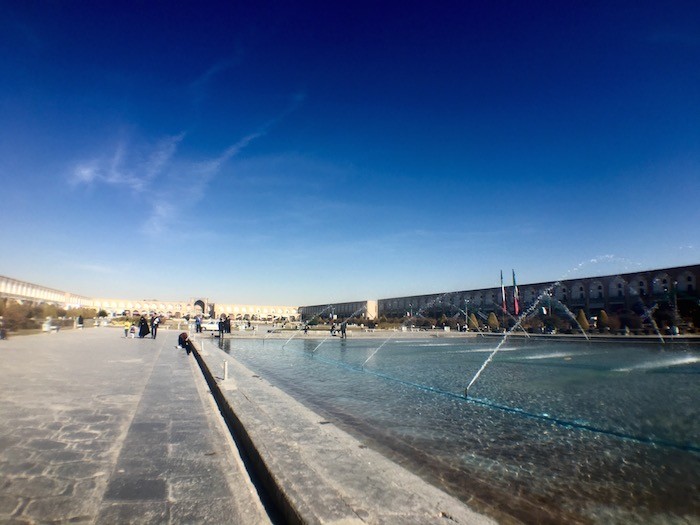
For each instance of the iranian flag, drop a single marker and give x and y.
(516, 297)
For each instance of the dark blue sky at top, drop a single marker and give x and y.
(543, 120)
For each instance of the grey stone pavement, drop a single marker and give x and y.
(96, 428)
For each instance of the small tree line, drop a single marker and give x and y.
(686, 316)
(23, 316)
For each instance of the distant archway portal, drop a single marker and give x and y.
(199, 306)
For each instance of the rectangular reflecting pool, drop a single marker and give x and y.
(551, 432)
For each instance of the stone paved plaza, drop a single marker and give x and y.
(102, 429)
(97, 428)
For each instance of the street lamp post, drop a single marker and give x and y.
(675, 304)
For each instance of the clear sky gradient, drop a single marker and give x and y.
(303, 153)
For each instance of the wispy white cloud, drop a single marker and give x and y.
(132, 167)
(85, 173)
(161, 155)
(181, 183)
(200, 86)
(214, 70)
(162, 214)
(187, 186)
(212, 166)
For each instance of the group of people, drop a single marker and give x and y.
(343, 330)
(143, 326)
(224, 325)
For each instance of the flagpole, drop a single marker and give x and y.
(516, 297)
(503, 299)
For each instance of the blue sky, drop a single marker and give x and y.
(302, 153)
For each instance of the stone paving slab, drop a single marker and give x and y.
(97, 428)
(325, 475)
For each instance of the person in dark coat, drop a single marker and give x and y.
(155, 321)
(143, 327)
(183, 341)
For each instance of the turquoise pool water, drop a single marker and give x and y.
(551, 432)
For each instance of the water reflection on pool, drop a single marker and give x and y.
(552, 432)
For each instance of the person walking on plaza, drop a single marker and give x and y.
(197, 324)
(143, 327)
(155, 321)
(127, 327)
(343, 330)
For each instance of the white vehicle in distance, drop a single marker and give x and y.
(210, 324)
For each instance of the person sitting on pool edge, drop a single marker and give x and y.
(183, 341)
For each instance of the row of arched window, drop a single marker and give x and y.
(578, 291)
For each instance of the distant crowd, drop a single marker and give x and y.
(143, 327)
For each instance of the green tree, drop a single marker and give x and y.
(493, 323)
(583, 320)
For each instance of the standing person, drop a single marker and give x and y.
(197, 324)
(80, 322)
(127, 326)
(155, 321)
(343, 330)
(143, 327)
(222, 327)
(227, 325)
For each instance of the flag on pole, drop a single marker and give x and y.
(503, 294)
(516, 297)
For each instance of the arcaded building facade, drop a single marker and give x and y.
(29, 292)
(611, 293)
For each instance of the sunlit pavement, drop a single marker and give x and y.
(97, 428)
